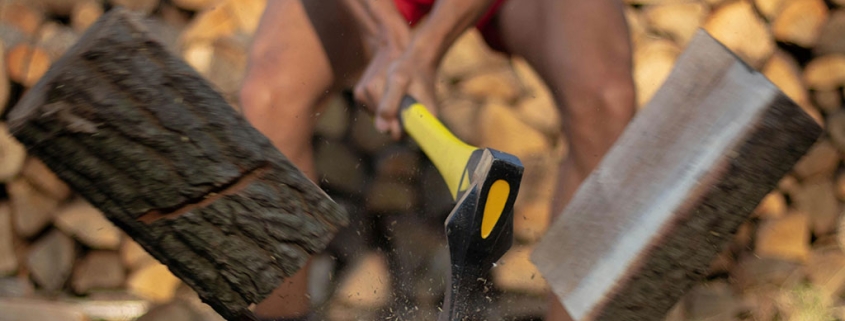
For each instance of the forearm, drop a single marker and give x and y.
(447, 21)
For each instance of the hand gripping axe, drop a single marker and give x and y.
(484, 182)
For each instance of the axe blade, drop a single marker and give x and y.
(666, 199)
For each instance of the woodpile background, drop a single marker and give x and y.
(60, 259)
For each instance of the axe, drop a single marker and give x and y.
(479, 230)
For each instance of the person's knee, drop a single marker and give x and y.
(618, 100)
(254, 97)
(609, 99)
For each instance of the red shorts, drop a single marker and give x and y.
(414, 10)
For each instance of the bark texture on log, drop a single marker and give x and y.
(144, 138)
(660, 208)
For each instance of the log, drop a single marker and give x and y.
(32, 209)
(44, 180)
(228, 64)
(537, 107)
(88, 225)
(678, 21)
(5, 84)
(8, 259)
(531, 221)
(770, 8)
(469, 54)
(11, 37)
(459, 115)
(365, 136)
(16, 287)
(825, 72)
(174, 16)
(84, 14)
(145, 139)
(515, 273)
(154, 282)
(247, 13)
(500, 85)
(500, 128)
(784, 72)
(753, 272)
(637, 26)
(829, 100)
(800, 22)
(711, 144)
(821, 161)
(62, 8)
(195, 5)
(832, 37)
(26, 309)
(56, 38)
(738, 27)
(24, 16)
(836, 129)
(98, 270)
(339, 168)
(207, 26)
(653, 60)
(786, 238)
(818, 199)
(772, 207)
(334, 118)
(398, 163)
(386, 196)
(26, 64)
(141, 6)
(367, 283)
(174, 310)
(51, 259)
(12, 155)
(133, 255)
(824, 270)
(840, 186)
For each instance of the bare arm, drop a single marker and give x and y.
(447, 21)
(414, 72)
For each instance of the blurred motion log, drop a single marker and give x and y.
(832, 36)
(825, 72)
(195, 5)
(51, 259)
(84, 14)
(12, 155)
(738, 27)
(23, 15)
(26, 63)
(679, 21)
(800, 22)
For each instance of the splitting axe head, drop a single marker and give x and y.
(479, 230)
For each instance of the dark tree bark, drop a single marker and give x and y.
(144, 138)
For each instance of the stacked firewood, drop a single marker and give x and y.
(60, 256)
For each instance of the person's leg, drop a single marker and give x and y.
(582, 51)
(302, 50)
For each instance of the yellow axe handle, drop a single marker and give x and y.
(448, 153)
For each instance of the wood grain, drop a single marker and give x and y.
(145, 139)
(667, 198)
